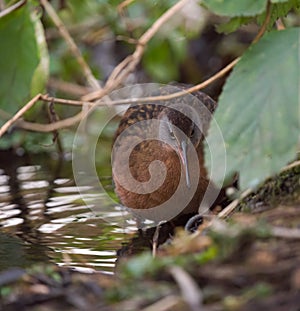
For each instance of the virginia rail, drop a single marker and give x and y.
(172, 132)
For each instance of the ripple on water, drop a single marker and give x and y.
(41, 207)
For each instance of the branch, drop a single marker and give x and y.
(70, 42)
(119, 73)
(131, 61)
(285, 233)
(46, 128)
(265, 23)
(123, 5)
(192, 89)
(67, 87)
(6, 125)
(63, 101)
(231, 207)
(12, 8)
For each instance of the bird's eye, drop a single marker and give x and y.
(172, 135)
(192, 132)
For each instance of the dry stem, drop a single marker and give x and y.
(12, 8)
(46, 128)
(75, 119)
(130, 62)
(67, 87)
(117, 76)
(73, 47)
(25, 108)
(265, 23)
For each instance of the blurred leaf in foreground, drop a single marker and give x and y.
(258, 111)
(19, 58)
(236, 7)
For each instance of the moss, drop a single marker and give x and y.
(284, 187)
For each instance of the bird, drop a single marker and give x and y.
(169, 132)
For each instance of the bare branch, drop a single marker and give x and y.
(11, 121)
(190, 290)
(63, 101)
(192, 89)
(286, 233)
(124, 4)
(164, 304)
(46, 128)
(291, 165)
(265, 23)
(231, 207)
(130, 62)
(73, 47)
(67, 87)
(12, 8)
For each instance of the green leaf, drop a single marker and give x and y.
(279, 9)
(19, 58)
(236, 7)
(163, 56)
(258, 111)
(233, 24)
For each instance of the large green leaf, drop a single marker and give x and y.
(19, 58)
(258, 111)
(279, 8)
(236, 7)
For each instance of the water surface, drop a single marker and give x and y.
(43, 218)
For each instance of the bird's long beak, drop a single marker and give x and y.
(183, 156)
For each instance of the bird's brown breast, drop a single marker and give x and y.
(144, 153)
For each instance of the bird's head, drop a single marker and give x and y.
(180, 127)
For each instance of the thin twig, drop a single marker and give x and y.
(195, 88)
(46, 128)
(191, 293)
(6, 125)
(164, 304)
(285, 233)
(63, 101)
(127, 101)
(265, 23)
(144, 39)
(117, 76)
(123, 5)
(192, 89)
(129, 63)
(81, 28)
(67, 87)
(12, 8)
(229, 208)
(155, 239)
(73, 47)
(77, 118)
(291, 165)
